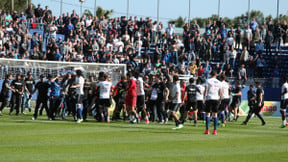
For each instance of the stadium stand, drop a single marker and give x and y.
(142, 42)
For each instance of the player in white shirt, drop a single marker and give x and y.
(79, 87)
(176, 101)
(200, 97)
(104, 97)
(284, 102)
(141, 107)
(213, 95)
(225, 99)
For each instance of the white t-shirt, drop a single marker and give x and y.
(233, 54)
(119, 46)
(213, 85)
(105, 88)
(176, 89)
(200, 97)
(88, 22)
(139, 86)
(225, 90)
(284, 86)
(80, 80)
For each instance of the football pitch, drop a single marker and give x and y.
(22, 139)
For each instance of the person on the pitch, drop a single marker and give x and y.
(18, 86)
(176, 101)
(213, 95)
(131, 99)
(191, 103)
(6, 88)
(236, 100)
(43, 87)
(259, 103)
(284, 102)
(200, 98)
(251, 103)
(225, 99)
(119, 98)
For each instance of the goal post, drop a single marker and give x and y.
(39, 67)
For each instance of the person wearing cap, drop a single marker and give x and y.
(22, 17)
(38, 12)
(42, 98)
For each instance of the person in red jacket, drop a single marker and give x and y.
(131, 99)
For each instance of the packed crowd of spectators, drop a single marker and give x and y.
(130, 41)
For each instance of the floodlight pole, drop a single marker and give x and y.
(278, 9)
(81, 8)
(248, 11)
(189, 16)
(61, 7)
(158, 8)
(12, 5)
(219, 1)
(127, 9)
(95, 7)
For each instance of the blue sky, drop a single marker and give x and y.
(171, 9)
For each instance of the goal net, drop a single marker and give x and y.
(37, 67)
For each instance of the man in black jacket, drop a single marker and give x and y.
(5, 92)
(258, 105)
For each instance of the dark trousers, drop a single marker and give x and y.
(254, 109)
(5, 102)
(54, 104)
(157, 109)
(85, 108)
(16, 103)
(71, 105)
(40, 101)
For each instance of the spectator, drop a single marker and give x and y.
(38, 13)
(228, 71)
(242, 75)
(244, 56)
(238, 34)
(253, 25)
(251, 67)
(260, 64)
(268, 41)
(276, 77)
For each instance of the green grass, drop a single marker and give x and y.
(22, 139)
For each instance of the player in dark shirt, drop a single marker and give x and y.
(28, 89)
(191, 103)
(236, 100)
(43, 87)
(258, 105)
(5, 92)
(18, 86)
(119, 97)
(251, 103)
